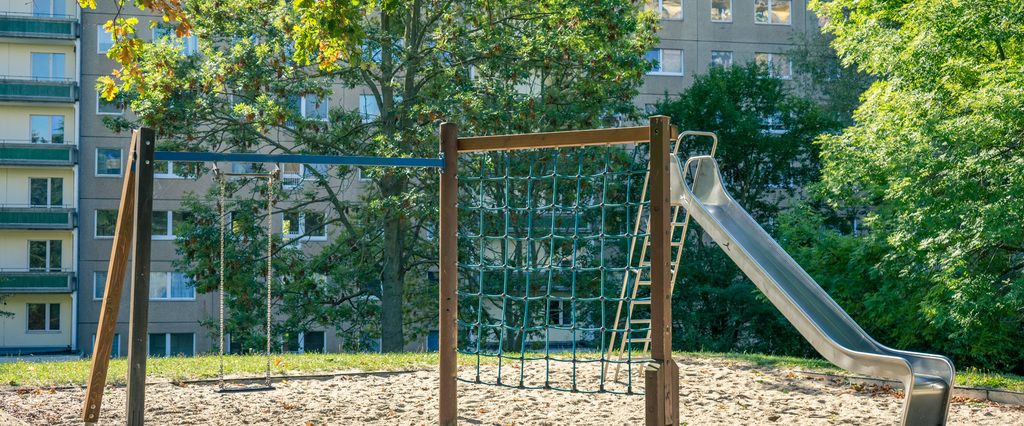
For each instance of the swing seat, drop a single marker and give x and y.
(241, 389)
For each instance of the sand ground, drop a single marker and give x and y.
(712, 392)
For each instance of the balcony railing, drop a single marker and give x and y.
(25, 153)
(32, 217)
(31, 89)
(37, 26)
(29, 281)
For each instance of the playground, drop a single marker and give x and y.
(713, 391)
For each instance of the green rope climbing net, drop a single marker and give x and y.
(544, 244)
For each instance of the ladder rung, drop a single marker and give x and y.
(638, 340)
(648, 263)
(642, 282)
(678, 223)
(644, 301)
(640, 321)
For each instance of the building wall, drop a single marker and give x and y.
(14, 330)
(14, 247)
(14, 183)
(25, 7)
(16, 59)
(14, 122)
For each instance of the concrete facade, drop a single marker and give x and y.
(93, 182)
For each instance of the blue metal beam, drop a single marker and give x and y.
(298, 158)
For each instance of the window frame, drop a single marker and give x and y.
(167, 344)
(770, 62)
(307, 99)
(47, 260)
(365, 116)
(99, 100)
(50, 66)
(46, 318)
(659, 8)
(301, 235)
(115, 349)
(49, 192)
(661, 62)
(52, 8)
(169, 236)
(50, 139)
(120, 157)
(732, 57)
(168, 283)
(561, 312)
(789, 20)
(100, 33)
(96, 227)
(96, 284)
(711, 15)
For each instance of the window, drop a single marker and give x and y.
(362, 175)
(721, 10)
(666, 61)
(164, 224)
(45, 255)
(106, 222)
(108, 162)
(104, 39)
(721, 58)
(314, 108)
(115, 348)
(187, 45)
(779, 66)
(368, 108)
(99, 284)
(171, 344)
(309, 225)
(48, 7)
(291, 174)
(651, 109)
(170, 286)
(105, 107)
(47, 128)
(306, 342)
(772, 11)
(47, 66)
(44, 317)
(175, 170)
(670, 9)
(773, 124)
(46, 192)
(557, 314)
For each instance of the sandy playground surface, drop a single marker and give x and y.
(713, 392)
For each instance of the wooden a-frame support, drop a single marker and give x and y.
(134, 225)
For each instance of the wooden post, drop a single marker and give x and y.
(119, 254)
(662, 374)
(143, 237)
(448, 298)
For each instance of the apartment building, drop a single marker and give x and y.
(699, 34)
(39, 139)
(61, 168)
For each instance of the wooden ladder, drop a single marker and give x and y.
(622, 342)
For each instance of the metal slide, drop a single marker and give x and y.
(927, 379)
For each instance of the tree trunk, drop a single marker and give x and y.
(393, 273)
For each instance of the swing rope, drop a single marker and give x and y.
(270, 268)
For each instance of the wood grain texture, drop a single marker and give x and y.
(113, 288)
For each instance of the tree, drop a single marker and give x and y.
(506, 66)
(935, 157)
(767, 156)
(823, 77)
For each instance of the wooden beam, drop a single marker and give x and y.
(139, 315)
(620, 135)
(448, 299)
(113, 288)
(662, 376)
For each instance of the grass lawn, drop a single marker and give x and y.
(208, 367)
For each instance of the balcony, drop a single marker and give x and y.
(29, 89)
(22, 25)
(26, 281)
(25, 153)
(25, 217)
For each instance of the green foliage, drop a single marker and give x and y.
(766, 156)
(535, 65)
(935, 158)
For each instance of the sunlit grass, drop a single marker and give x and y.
(72, 373)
